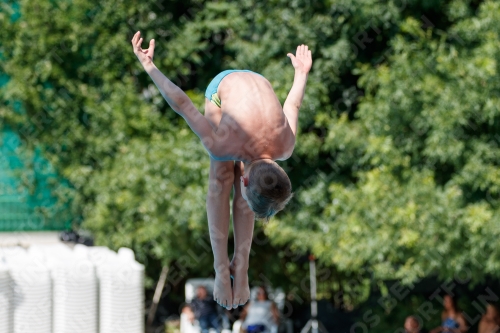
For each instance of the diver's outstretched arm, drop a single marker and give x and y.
(175, 97)
(302, 63)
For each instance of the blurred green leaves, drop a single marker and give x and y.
(396, 168)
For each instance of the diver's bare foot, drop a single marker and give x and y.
(223, 294)
(241, 291)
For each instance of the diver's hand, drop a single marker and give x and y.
(302, 60)
(145, 56)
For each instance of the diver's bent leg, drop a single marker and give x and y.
(219, 190)
(243, 224)
(213, 113)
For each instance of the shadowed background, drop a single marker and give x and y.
(395, 172)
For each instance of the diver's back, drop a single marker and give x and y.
(249, 100)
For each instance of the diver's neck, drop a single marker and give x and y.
(248, 164)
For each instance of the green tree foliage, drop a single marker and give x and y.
(423, 156)
(138, 176)
(396, 166)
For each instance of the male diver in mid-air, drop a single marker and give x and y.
(244, 129)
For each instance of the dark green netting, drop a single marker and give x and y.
(27, 201)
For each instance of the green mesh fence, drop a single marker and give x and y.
(27, 202)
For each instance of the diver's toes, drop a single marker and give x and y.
(236, 302)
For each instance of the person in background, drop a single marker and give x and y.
(188, 312)
(187, 320)
(452, 320)
(412, 325)
(260, 315)
(490, 322)
(205, 310)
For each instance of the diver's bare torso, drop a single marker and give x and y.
(250, 123)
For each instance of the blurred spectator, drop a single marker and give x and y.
(188, 312)
(261, 315)
(452, 320)
(205, 311)
(412, 325)
(490, 322)
(187, 321)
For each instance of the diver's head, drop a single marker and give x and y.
(266, 187)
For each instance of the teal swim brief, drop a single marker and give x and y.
(211, 92)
